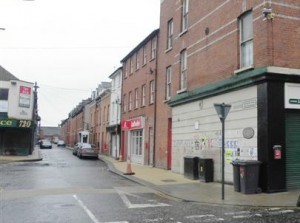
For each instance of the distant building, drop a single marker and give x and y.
(50, 133)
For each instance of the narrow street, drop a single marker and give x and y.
(63, 188)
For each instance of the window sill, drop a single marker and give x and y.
(183, 32)
(166, 100)
(168, 50)
(181, 91)
(241, 70)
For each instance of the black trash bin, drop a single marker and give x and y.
(206, 170)
(191, 167)
(236, 175)
(249, 175)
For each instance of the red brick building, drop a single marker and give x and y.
(138, 101)
(240, 53)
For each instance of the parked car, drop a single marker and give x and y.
(45, 144)
(61, 143)
(87, 150)
(76, 147)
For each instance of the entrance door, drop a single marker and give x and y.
(293, 149)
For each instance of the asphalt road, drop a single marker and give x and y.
(63, 188)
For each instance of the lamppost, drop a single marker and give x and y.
(223, 110)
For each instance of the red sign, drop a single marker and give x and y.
(135, 123)
(25, 90)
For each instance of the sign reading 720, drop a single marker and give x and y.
(15, 123)
(24, 123)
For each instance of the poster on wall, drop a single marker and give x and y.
(24, 97)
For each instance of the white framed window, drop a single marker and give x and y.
(185, 12)
(183, 70)
(153, 48)
(137, 142)
(170, 34)
(136, 95)
(131, 66)
(168, 82)
(130, 101)
(143, 95)
(152, 90)
(137, 61)
(124, 103)
(246, 40)
(144, 55)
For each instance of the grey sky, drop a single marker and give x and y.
(69, 46)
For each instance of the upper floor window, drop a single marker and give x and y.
(124, 103)
(136, 95)
(170, 34)
(168, 82)
(131, 65)
(143, 95)
(246, 40)
(152, 90)
(144, 55)
(137, 61)
(183, 70)
(153, 47)
(185, 12)
(107, 115)
(130, 101)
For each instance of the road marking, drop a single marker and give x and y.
(261, 213)
(89, 213)
(205, 218)
(124, 197)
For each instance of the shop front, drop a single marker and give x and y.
(133, 138)
(16, 137)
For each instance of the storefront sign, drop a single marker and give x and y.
(24, 97)
(15, 123)
(135, 123)
(292, 92)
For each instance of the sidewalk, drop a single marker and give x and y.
(176, 185)
(35, 156)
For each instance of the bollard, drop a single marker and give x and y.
(298, 202)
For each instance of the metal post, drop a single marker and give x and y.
(222, 110)
(223, 154)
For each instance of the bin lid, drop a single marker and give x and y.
(249, 162)
(235, 162)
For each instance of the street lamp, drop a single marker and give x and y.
(223, 110)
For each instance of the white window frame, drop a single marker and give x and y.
(185, 13)
(183, 70)
(152, 91)
(170, 34)
(130, 101)
(137, 61)
(153, 48)
(136, 143)
(144, 55)
(168, 82)
(143, 102)
(246, 42)
(124, 103)
(136, 95)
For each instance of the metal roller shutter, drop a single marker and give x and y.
(293, 150)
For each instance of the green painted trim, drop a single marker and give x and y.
(237, 81)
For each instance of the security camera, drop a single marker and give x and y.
(266, 11)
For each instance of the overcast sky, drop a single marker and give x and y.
(70, 46)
